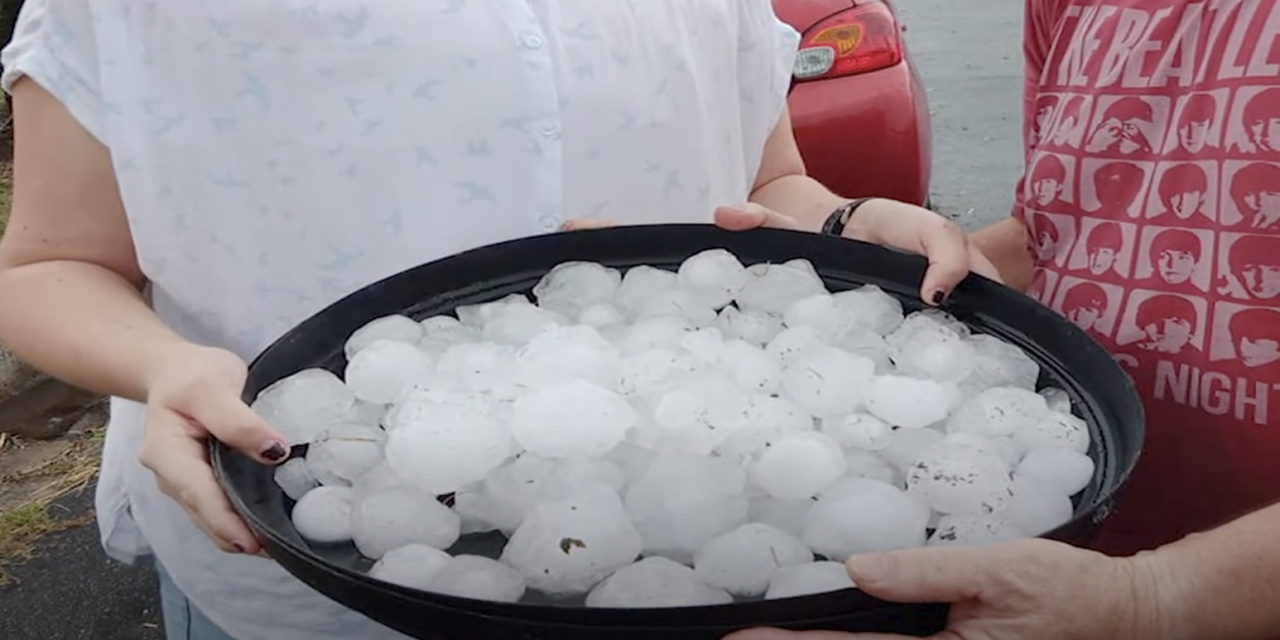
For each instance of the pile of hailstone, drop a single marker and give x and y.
(660, 439)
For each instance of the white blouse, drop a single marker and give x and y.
(275, 156)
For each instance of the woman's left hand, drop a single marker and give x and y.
(880, 221)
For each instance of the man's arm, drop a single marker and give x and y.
(1223, 584)
(1005, 245)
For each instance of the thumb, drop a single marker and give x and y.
(581, 224)
(752, 216)
(234, 424)
(783, 634)
(921, 575)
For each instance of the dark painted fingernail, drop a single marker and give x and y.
(938, 297)
(275, 453)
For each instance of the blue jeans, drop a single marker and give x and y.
(182, 620)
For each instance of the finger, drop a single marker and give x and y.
(579, 224)
(924, 575)
(947, 249)
(979, 264)
(783, 634)
(752, 216)
(178, 457)
(234, 424)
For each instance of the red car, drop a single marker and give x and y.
(858, 106)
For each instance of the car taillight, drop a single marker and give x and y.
(853, 41)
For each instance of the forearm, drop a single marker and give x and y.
(1005, 245)
(84, 324)
(799, 197)
(1223, 584)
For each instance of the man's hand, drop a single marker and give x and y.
(1025, 590)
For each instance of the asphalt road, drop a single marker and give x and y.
(71, 591)
(968, 53)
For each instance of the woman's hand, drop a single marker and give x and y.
(893, 224)
(195, 396)
(880, 221)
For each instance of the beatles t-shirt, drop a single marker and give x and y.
(1152, 203)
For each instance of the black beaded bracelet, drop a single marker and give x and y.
(839, 219)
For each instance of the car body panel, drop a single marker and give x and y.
(866, 134)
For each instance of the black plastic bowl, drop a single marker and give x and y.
(1101, 392)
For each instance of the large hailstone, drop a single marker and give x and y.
(380, 371)
(795, 581)
(567, 546)
(828, 382)
(744, 561)
(574, 419)
(442, 447)
(323, 515)
(958, 479)
(389, 519)
(655, 583)
(858, 515)
(413, 566)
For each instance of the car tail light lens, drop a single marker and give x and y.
(854, 41)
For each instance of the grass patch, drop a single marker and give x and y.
(6, 193)
(21, 525)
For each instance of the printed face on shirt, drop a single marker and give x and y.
(1194, 135)
(1085, 316)
(1255, 192)
(1195, 122)
(1176, 267)
(1265, 204)
(1086, 305)
(1176, 255)
(1046, 107)
(1257, 335)
(1047, 244)
(1186, 204)
(1266, 134)
(1254, 262)
(1262, 280)
(1101, 260)
(1183, 192)
(1044, 237)
(1123, 128)
(1112, 188)
(1162, 322)
(1261, 120)
(1255, 353)
(1183, 189)
(1104, 241)
(1168, 321)
(1048, 180)
(1046, 190)
(1246, 335)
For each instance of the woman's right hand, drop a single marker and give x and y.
(195, 395)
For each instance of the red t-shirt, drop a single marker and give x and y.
(1152, 203)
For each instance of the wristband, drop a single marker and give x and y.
(839, 219)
